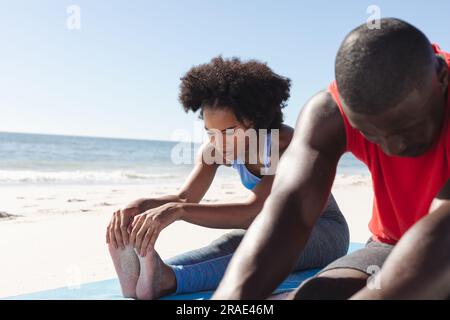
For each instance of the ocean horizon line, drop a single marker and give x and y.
(96, 137)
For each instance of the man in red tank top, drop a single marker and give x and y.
(390, 107)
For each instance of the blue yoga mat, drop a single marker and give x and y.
(110, 289)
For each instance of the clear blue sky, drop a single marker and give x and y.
(118, 76)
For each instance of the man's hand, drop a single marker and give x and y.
(117, 231)
(147, 226)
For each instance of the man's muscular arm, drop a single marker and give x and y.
(301, 188)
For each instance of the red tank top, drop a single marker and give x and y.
(403, 187)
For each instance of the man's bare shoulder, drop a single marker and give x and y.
(320, 124)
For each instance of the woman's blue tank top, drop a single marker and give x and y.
(248, 179)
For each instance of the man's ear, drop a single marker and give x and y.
(442, 73)
(247, 123)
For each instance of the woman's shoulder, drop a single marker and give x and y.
(286, 135)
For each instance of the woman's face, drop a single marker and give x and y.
(222, 127)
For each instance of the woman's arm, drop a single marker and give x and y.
(146, 227)
(192, 191)
(230, 215)
(235, 215)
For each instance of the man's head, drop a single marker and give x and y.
(393, 87)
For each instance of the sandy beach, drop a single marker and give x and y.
(55, 236)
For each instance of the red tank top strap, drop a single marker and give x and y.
(353, 136)
(444, 54)
(446, 131)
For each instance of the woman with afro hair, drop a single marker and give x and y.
(233, 97)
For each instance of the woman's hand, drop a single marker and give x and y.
(117, 232)
(147, 226)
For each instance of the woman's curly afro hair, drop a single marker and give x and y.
(251, 89)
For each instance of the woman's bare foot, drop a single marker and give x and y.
(156, 279)
(126, 263)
